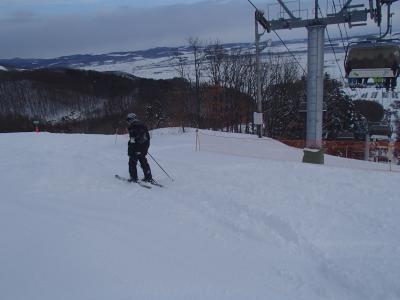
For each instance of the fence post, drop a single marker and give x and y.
(116, 134)
(366, 150)
(197, 140)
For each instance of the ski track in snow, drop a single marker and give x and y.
(228, 227)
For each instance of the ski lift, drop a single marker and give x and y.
(373, 63)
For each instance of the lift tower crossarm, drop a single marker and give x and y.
(345, 17)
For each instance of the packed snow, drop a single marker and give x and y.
(232, 224)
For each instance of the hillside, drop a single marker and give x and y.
(79, 100)
(228, 227)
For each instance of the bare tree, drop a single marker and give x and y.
(214, 55)
(197, 48)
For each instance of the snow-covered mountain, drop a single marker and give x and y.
(229, 226)
(157, 63)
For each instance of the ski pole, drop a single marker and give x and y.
(160, 166)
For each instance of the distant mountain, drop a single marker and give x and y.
(157, 63)
(152, 63)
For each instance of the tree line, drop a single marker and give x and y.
(230, 76)
(214, 87)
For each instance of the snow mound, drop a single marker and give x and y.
(228, 227)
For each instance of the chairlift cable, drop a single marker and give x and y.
(340, 28)
(290, 52)
(294, 57)
(333, 49)
(252, 4)
(345, 48)
(334, 54)
(344, 25)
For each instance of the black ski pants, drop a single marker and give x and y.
(143, 163)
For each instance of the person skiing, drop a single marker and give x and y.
(138, 145)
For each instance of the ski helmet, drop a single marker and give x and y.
(131, 117)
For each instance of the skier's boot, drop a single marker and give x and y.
(147, 176)
(133, 179)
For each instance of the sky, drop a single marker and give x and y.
(53, 28)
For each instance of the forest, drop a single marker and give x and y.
(214, 89)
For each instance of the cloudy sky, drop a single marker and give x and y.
(51, 28)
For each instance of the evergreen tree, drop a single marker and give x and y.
(396, 113)
(340, 115)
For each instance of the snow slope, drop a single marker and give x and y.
(228, 227)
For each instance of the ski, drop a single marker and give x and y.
(153, 182)
(128, 180)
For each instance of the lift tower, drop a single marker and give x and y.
(350, 14)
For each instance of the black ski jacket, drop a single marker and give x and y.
(139, 141)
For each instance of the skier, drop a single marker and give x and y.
(138, 146)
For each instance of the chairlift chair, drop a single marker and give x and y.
(373, 63)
